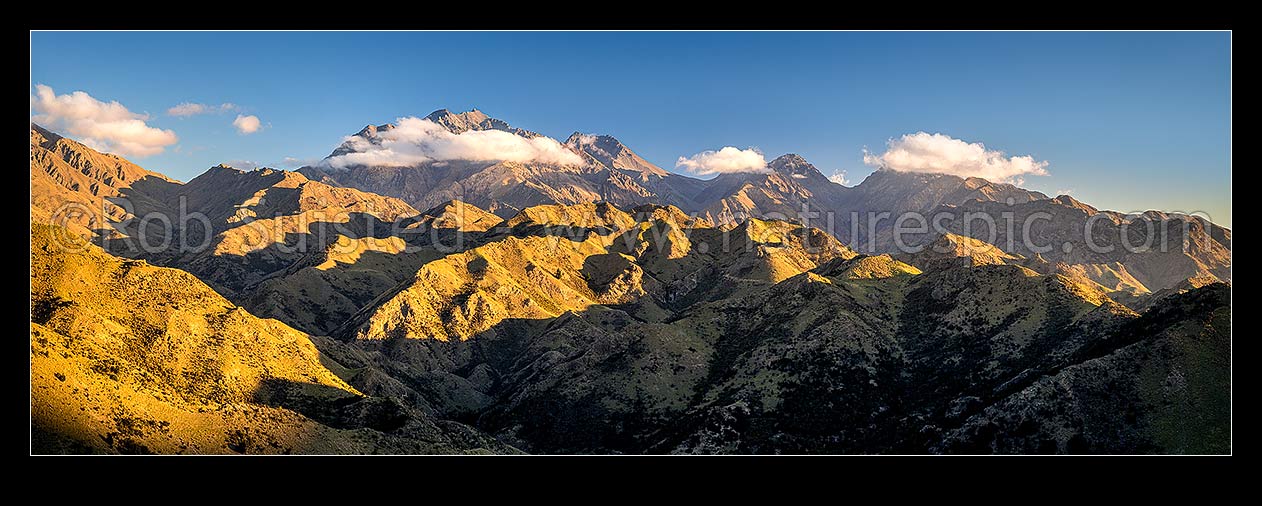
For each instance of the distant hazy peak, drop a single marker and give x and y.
(1066, 200)
(790, 158)
(370, 131)
(887, 175)
(472, 115)
(611, 152)
(594, 144)
(474, 120)
(892, 174)
(464, 121)
(604, 142)
(792, 164)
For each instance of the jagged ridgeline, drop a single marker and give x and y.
(600, 304)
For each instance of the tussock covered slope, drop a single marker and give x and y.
(557, 258)
(131, 358)
(637, 332)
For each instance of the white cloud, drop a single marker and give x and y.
(247, 125)
(414, 141)
(839, 177)
(102, 126)
(292, 162)
(242, 164)
(723, 161)
(187, 109)
(192, 109)
(1065, 192)
(938, 153)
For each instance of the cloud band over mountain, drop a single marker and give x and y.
(414, 141)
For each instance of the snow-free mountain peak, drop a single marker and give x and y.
(474, 120)
(612, 153)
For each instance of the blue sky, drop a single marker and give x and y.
(1127, 121)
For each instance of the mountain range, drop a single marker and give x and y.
(608, 306)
